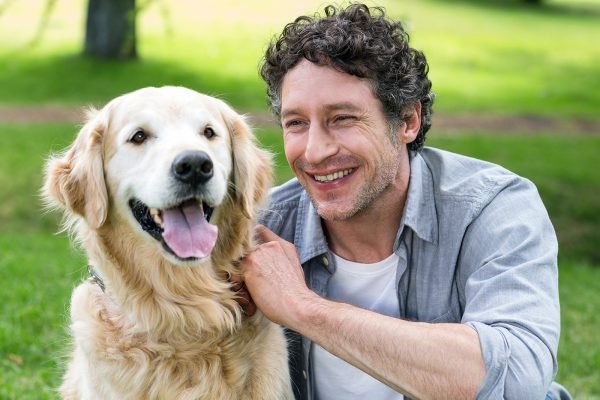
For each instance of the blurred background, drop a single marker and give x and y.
(517, 83)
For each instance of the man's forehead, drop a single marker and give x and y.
(309, 84)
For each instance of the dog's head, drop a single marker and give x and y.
(181, 169)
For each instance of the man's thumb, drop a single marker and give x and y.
(262, 234)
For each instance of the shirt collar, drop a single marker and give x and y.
(310, 238)
(419, 214)
(420, 211)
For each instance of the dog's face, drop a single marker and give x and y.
(171, 163)
(169, 160)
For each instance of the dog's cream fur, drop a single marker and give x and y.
(165, 328)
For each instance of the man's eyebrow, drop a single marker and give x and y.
(290, 111)
(344, 106)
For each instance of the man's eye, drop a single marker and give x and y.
(139, 137)
(295, 123)
(343, 118)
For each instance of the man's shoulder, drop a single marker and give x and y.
(463, 177)
(286, 194)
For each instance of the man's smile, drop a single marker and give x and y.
(333, 176)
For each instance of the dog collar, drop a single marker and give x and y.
(95, 278)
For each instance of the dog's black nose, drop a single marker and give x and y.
(193, 167)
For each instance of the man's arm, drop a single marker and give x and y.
(508, 273)
(421, 360)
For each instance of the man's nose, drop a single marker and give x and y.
(321, 144)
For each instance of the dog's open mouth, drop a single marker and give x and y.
(184, 230)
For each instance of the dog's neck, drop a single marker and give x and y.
(94, 277)
(163, 300)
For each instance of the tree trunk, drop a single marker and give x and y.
(110, 29)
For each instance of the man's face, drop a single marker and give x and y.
(337, 139)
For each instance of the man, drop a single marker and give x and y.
(398, 270)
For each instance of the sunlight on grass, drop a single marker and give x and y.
(493, 59)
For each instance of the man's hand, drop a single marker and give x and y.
(273, 275)
(244, 298)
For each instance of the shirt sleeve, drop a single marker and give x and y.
(509, 266)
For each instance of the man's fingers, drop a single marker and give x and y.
(243, 295)
(262, 234)
(237, 280)
(245, 300)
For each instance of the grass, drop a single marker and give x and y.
(484, 57)
(38, 274)
(502, 58)
(579, 353)
(39, 269)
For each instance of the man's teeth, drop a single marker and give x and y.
(155, 212)
(332, 177)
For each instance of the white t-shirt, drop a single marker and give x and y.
(369, 286)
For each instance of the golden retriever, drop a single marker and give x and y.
(161, 187)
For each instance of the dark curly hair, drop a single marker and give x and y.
(360, 41)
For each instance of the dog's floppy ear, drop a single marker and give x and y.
(252, 173)
(75, 179)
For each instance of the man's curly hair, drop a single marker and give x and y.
(360, 41)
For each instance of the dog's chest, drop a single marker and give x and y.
(163, 370)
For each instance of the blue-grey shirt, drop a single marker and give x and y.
(476, 246)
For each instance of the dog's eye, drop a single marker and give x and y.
(209, 132)
(139, 137)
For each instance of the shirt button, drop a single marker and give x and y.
(304, 374)
(325, 261)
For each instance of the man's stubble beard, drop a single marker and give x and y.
(386, 172)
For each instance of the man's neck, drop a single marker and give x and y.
(369, 236)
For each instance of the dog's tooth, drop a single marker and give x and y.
(155, 212)
(157, 219)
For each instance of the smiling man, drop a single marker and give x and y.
(400, 270)
(340, 146)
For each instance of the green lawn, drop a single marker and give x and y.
(484, 56)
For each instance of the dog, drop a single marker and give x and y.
(161, 188)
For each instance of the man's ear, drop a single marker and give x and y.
(74, 180)
(412, 123)
(252, 171)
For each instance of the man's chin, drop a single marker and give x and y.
(334, 211)
(337, 205)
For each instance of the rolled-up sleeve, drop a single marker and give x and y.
(509, 274)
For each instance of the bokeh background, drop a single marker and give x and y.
(517, 83)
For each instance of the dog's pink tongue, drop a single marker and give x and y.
(187, 232)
